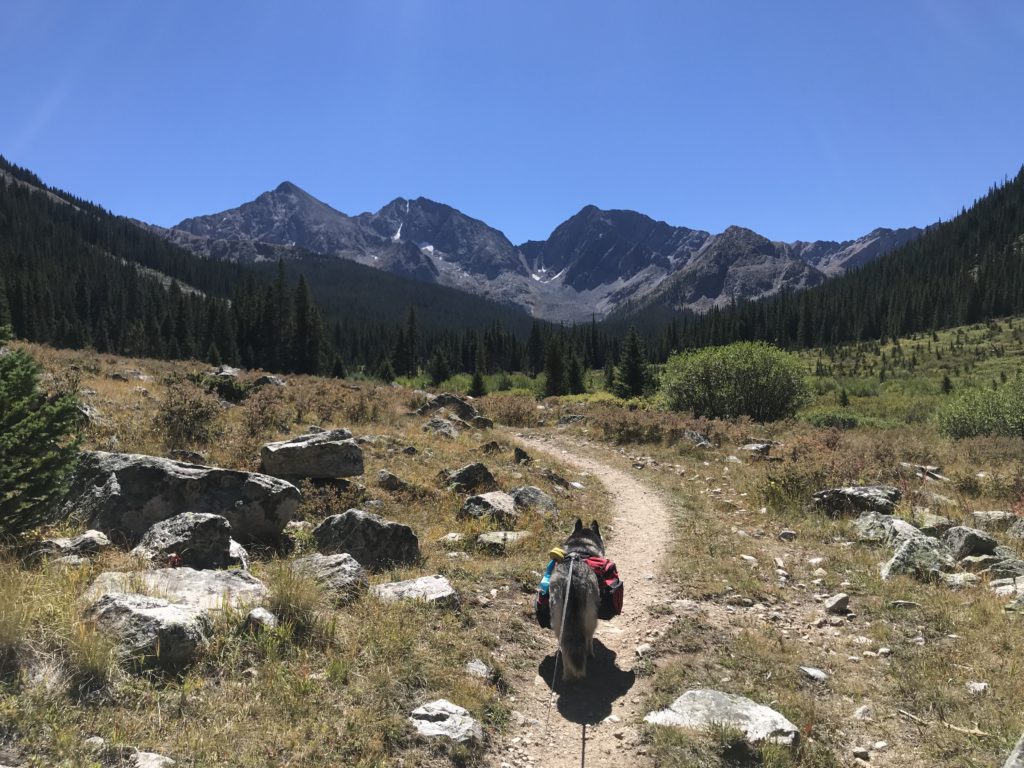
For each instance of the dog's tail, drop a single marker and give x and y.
(580, 619)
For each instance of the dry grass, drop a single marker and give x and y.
(333, 684)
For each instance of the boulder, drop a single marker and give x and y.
(491, 448)
(224, 372)
(920, 556)
(1010, 568)
(883, 529)
(195, 539)
(704, 709)
(498, 506)
(152, 632)
(441, 427)
(339, 574)
(964, 542)
(204, 590)
(436, 590)
(442, 719)
(453, 403)
(319, 456)
(84, 545)
(373, 541)
(530, 497)
(858, 498)
(268, 381)
(467, 479)
(124, 495)
(994, 521)
(499, 542)
(520, 456)
(390, 482)
(839, 603)
(481, 422)
(757, 449)
(958, 581)
(571, 418)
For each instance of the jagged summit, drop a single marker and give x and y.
(591, 263)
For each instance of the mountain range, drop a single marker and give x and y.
(596, 262)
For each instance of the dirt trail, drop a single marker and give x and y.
(608, 703)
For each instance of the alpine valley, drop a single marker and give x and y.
(594, 263)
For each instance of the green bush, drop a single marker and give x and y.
(979, 412)
(835, 419)
(747, 379)
(37, 444)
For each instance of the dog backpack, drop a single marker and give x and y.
(612, 588)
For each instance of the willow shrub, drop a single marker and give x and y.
(745, 379)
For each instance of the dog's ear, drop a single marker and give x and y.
(595, 527)
(579, 526)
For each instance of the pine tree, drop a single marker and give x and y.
(574, 377)
(554, 368)
(477, 387)
(535, 350)
(438, 369)
(631, 373)
(37, 447)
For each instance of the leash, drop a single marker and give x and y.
(558, 651)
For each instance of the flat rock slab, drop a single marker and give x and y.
(203, 590)
(125, 494)
(442, 719)
(497, 506)
(340, 574)
(703, 709)
(149, 760)
(994, 521)
(370, 539)
(431, 589)
(318, 456)
(858, 498)
(152, 632)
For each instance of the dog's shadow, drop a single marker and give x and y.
(589, 701)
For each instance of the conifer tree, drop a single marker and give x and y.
(554, 368)
(574, 377)
(37, 446)
(631, 373)
(438, 369)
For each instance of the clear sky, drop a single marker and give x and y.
(801, 120)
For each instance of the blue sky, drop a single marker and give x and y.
(801, 120)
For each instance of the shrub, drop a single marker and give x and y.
(187, 415)
(986, 412)
(832, 419)
(37, 445)
(745, 379)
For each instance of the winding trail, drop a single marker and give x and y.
(607, 705)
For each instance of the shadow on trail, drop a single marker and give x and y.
(589, 701)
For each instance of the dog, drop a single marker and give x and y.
(584, 595)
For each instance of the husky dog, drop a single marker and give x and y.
(584, 594)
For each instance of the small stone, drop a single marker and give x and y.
(815, 674)
(883, 651)
(787, 535)
(644, 649)
(258, 620)
(477, 668)
(838, 603)
(861, 754)
(864, 712)
(880, 745)
(977, 688)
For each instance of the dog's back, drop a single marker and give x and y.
(584, 594)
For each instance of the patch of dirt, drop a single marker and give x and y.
(601, 713)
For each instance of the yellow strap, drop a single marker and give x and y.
(557, 554)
